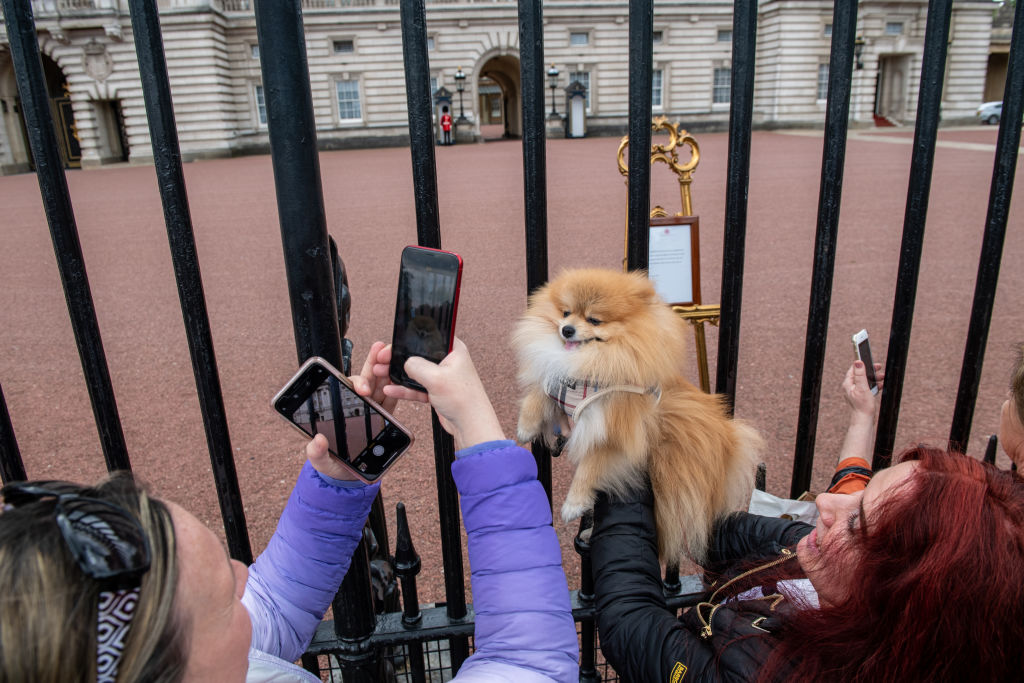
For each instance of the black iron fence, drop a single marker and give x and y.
(375, 635)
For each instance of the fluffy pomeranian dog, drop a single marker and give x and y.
(600, 352)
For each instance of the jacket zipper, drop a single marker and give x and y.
(705, 632)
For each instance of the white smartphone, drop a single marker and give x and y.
(862, 347)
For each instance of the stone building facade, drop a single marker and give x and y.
(354, 48)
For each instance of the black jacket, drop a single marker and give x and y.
(640, 637)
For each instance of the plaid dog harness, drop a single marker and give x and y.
(573, 395)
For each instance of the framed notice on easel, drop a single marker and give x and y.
(673, 259)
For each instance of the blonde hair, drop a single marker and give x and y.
(48, 607)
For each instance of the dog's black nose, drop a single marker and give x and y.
(568, 331)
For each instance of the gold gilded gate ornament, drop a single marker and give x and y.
(669, 154)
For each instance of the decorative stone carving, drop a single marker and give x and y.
(96, 61)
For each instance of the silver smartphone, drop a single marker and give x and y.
(360, 433)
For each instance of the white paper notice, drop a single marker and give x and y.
(669, 262)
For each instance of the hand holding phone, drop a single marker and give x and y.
(361, 435)
(425, 309)
(862, 347)
(458, 395)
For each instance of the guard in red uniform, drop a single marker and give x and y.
(446, 128)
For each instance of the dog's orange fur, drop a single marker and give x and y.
(700, 462)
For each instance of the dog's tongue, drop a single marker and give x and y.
(570, 345)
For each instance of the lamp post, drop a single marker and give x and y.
(553, 84)
(460, 85)
(858, 52)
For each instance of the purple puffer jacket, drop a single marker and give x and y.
(293, 581)
(524, 626)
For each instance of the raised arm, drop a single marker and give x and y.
(853, 469)
(524, 626)
(293, 581)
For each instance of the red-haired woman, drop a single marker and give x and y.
(919, 577)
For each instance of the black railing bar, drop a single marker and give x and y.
(421, 126)
(451, 535)
(741, 112)
(638, 203)
(12, 467)
(296, 163)
(53, 186)
(428, 233)
(535, 179)
(531, 63)
(929, 101)
(156, 90)
(1004, 168)
(837, 113)
(585, 596)
(991, 449)
(436, 625)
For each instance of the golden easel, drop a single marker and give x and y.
(697, 314)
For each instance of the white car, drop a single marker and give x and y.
(990, 112)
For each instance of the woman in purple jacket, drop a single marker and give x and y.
(112, 581)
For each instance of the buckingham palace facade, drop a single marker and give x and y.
(354, 49)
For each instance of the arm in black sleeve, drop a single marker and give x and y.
(743, 536)
(640, 637)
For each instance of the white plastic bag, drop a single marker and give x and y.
(766, 504)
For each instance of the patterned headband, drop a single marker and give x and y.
(115, 616)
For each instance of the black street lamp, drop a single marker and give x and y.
(858, 52)
(553, 84)
(460, 85)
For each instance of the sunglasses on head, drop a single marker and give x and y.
(109, 545)
(105, 539)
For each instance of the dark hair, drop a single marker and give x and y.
(941, 585)
(49, 608)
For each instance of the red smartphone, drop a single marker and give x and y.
(360, 433)
(427, 302)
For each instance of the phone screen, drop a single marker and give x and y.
(427, 302)
(864, 353)
(317, 402)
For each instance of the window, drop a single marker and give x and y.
(348, 101)
(344, 47)
(430, 43)
(656, 100)
(720, 90)
(894, 28)
(724, 35)
(823, 81)
(827, 32)
(261, 106)
(584, 78)
(254, 51)
(579, 38)
(658, 37)
(433, 85)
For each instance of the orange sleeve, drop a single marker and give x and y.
(855, 479)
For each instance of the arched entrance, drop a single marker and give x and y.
(498, 98)
(13, 130)
(14, 150)
(63, 115)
